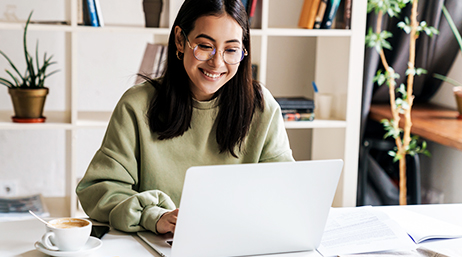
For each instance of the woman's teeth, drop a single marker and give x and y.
(214, 76)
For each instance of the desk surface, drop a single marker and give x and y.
(17, 238)
(429, 121)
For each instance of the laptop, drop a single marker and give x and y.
(251, 209)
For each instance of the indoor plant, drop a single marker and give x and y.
(457, 85)
(28, 91)
(401, 97)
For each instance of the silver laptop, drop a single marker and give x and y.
(251, 209)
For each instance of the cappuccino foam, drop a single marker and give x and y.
(70, 223)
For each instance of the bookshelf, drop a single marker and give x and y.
(333, 58)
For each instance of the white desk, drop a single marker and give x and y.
(17, 238)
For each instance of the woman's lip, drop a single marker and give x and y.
(211, 74)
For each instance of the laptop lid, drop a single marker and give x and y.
(249, 209)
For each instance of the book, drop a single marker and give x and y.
(85, 14)
(16, 208)
(161, 64)
(347, 14)
(91, 10)
(329, 14)
(369, 229)
(150, 63)
(295, 103)
(320, 14)
(254, 71)
(80, 20)
(99, 13)
(252, 6)
(157, 60)
(412, 222)
(308, 14)
(245, 3)
(296, 116)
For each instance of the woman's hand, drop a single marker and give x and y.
(167, 222)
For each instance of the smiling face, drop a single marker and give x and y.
(207, 77)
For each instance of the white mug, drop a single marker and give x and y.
(66, 234)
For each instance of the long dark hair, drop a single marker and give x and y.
(171, 108)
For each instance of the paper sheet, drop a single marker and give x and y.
(362, 230)
(412, 222)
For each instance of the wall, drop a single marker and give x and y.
(442, 172)
(35, 159)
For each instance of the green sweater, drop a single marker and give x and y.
(134, 178)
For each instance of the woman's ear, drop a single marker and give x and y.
(179, 39)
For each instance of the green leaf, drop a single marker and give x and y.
(402, 90)
(13, 77)
(378, 40)
(453, 26)
(446, 79)
(6, 82)
(12, 65)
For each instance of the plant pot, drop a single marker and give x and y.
(152, 10)
(28, 104)
(458, 95)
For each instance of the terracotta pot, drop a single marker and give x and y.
(28, 104)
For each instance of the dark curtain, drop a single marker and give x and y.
(435, 54)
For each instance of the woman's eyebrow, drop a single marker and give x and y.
(213, 40)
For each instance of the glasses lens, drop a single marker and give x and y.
(233, 55)
(205, 52)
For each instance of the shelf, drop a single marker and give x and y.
(315, 124)
(93, 119)
(299, 32)
(124, 29)
(308, 32)
(81, 28)
(432, 122)
(54, 120)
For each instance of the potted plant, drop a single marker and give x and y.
(457, 85)
(28, 92)
(401, 96)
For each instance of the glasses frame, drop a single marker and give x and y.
(214, 52)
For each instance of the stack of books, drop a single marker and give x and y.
(296, 108)
(17, 208)
(322, 14)
(153, 63)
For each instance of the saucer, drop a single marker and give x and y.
(92, 244)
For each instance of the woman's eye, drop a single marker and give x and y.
(232, 50)
(205, 47)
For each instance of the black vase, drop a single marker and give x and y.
(152, 10)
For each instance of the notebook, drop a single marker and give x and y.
(251, 209)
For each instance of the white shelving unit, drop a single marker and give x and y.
(288, 60)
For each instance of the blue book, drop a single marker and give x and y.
(92, 13)
(329, 15)
(245, 3)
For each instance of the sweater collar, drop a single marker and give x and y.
(210, 104)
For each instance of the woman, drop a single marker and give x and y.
(205, 110)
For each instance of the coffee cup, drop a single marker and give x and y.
(66, 234)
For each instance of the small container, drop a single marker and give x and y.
(152, 10)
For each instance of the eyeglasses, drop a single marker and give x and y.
(206, 51)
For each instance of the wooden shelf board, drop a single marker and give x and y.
(432, 122)
(54, 120)
(93, 119)
(308, 32)
(315, 124)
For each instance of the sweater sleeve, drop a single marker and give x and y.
(108, 191)
(276, 147)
